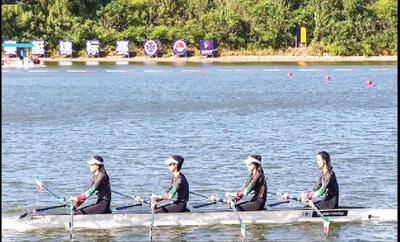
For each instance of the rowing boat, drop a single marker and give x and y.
(204, 217)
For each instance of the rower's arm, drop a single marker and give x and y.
(174, 188)
(249, 186)
(92, 188)
(318, 184)
(323, 185)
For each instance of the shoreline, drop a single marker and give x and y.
(228, 59)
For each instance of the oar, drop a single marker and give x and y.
(200, 195)
(71, 222)
(242, 226)
(232, 205)
(134, 197)
(152, 220)
(326, 219)
(212, 203)
(202, 205)
(42, 209)
(129, 206)
(276, 204)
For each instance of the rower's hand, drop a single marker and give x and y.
(156, 197)
(73, 199)
(230, 194)
(285, 196)
(213, 198)
(138, 199)
(305, 197)
(153, 202)
(232, 202)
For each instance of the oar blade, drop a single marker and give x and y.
(39, 184)
(242, 231)
(327, 221)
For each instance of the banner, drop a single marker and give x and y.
(38, 47)
(303, 35)
(122, 47)
(65, 47)
(207, 47)
(151, 47)
(92, 47)
(10, 50)
(180, 47)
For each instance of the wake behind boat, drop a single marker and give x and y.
(202, 217)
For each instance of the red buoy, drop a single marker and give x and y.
(289, 74)
(328, 77)
(368, 82)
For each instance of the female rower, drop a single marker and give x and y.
(326, 186)
(100, 183)
(256, 182)
(178, 188)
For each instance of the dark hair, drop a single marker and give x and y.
(258, 166)
(325, 155)
(257, 157)
(180, 160)
(99, 158)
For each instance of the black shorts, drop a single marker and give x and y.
(172, 208)
(251, 205)
(99, 208)
(327, 204)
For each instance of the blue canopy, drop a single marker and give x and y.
(18, 45)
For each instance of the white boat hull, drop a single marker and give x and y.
(205, 217)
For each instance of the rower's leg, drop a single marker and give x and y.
(251, 205)
(325, 204)
(172, 208)
(99, 208)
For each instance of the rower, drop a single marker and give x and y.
(326, 186)
(100, 182)
(178, 188)
(256, 182)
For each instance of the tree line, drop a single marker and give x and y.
(336, 27)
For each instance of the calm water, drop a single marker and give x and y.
(214, 116)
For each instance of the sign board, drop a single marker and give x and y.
(303, 35)
(122, 47)
(92, 47)
(10, 50)
(207, 47)
(65, 47)
(180, 47)
(151, 47)
(38, 47)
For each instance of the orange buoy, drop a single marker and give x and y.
(368, 82)
(289, 74)
(328, 77)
